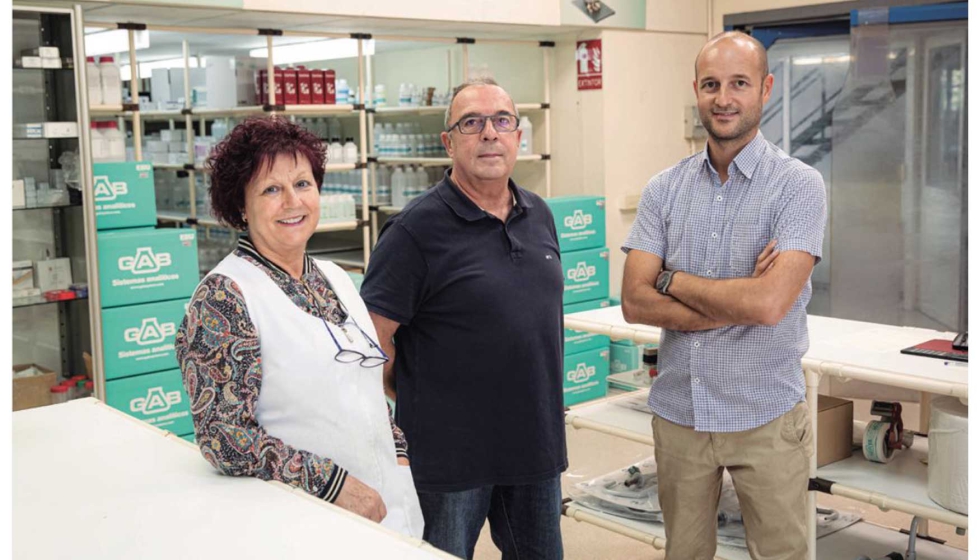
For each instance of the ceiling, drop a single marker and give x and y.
(165, 45)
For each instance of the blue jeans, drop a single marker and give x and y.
(525, 520)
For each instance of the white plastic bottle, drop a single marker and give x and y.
(115, 142)
(111, 81)
(219, 129)
(384, 185)
(94, 78)
(527, 137)
(343, 92)
(404, 95)
(336, 154)
(421, 180)
(380, 96)
(334, 130)
(100, 148)
(398, 187)
(350, 151)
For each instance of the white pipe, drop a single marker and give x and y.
(466, 62)
(189, 133)
(270, 68)
(891, 379)
(578, 514)
(586, 424)
(812, 386)
(362, 123)
(886, 503)
(88, 204)
(134, 97)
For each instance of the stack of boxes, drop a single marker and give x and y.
(146, 278)
(298, 86)
(581, 225)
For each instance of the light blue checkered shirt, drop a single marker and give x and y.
(733, 378)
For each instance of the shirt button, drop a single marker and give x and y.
(697, 345)
(709, 273)
(714, 235)
(718, 198)
(696, 380)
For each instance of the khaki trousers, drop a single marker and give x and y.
(770, 467)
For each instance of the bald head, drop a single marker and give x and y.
(734, 40)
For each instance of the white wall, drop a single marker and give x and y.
(689, 16)
(491, 11)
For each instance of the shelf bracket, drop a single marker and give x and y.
(271, 32)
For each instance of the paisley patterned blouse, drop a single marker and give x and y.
(219, 355)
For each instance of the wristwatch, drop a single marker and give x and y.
(663, 281)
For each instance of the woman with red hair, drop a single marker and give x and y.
(278, 354)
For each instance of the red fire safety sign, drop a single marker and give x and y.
(588, 55)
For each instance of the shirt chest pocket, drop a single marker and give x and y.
(749, 238)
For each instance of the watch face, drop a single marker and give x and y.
(661, 281)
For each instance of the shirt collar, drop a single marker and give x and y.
(466, 208)
(747, 159)
(246, 246)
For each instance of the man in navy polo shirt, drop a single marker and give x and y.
(465, 290)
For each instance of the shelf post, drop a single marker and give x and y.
(812, 376)
(189, 133)
(362, 123)
(134, 78)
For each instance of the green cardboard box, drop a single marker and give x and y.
(189, 437)
(580, 221)
(586, 275)
(124, 195)
(139, 339)
(585, 375)
(155, 398)
(357, 278)
(580, 341)
(147, 265)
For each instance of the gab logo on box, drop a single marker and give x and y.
(156, 401)
(150, 332)
(581, 373)
(582, 272)
(145, 261)
(578, 220)
(106, 190)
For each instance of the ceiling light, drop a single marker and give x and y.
(114, 41)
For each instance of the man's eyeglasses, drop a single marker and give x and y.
(347, 356)
(474, 124)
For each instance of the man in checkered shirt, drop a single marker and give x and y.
(720, 257)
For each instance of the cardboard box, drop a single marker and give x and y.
(198, 78)
(316, 87)
(52, 274)
(155, 398)
(30, 62)
(50, 62)
(580, 221)
(68, 129)
(160, 86)
(23, 276)
(585, 376)
(20, 196)
(835, 428)
(189, 437)
(580, 341)
(43, 52)
(29, 130)
(230, 81)
(586, 275)
(140, 339)
(35, 390)
(124, 194)
(147, 265)
(304, 85)
(290, 86)
(329, 87)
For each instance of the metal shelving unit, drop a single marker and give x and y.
(54, 333)
(839, 348)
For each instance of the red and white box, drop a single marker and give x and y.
(329, 87)
(316, 87)
(303, 81)
(290, 87)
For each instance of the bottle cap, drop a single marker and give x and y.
(59, 389)
(105, 59)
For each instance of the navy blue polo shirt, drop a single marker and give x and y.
(478, 362)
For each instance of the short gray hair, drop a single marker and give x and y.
(481, 81)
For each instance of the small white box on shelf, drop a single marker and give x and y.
(157, 146)
(30, 62)
(20, 198)
(159, 158)
(43, 52)
(29, 130)
(176, 146)
(53, 274)
(50, 62)
(177, 158)
(67, 129)
(175, 135)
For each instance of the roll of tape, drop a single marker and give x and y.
(948, 454)
(875, 444)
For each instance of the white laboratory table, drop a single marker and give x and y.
(841, 348)
(91, 482)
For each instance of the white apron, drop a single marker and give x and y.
(317, 404)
